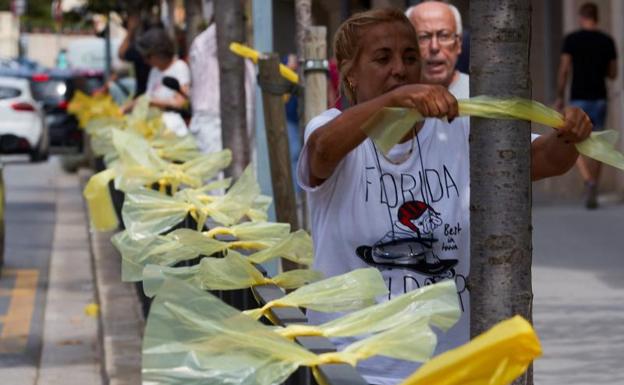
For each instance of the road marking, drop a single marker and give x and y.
(16, 323)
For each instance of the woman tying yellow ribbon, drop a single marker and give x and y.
(405, 212)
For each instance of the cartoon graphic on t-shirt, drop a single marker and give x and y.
(409, 244)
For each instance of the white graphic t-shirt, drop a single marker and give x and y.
(410, 220)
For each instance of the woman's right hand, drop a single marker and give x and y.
(432, 101)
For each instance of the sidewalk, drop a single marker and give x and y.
(121, 317)
(578, 283)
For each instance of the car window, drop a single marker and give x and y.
(49, 91)
(9, 92)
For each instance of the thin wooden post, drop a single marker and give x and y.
(315, 71)
(273, 87)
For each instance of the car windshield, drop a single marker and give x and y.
(53, 91)
(9, 92)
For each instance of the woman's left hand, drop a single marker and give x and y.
(576, 127)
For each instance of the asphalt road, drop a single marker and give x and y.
(30, 216)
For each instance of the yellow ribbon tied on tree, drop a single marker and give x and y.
(232, 272)
(192, 334)
(496, 357)
(351, 291)
(389, 125)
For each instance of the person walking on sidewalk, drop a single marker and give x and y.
(591, 57)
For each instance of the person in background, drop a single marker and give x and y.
(591, 57)
(158, 51)
(439, 30)
(128, 52)
(292, 117)
(205, 92)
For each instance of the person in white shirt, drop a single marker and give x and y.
(158, 50)
(406, 212)
(205, 92)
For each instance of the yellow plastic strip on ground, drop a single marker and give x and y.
(438, 304)
(99, 202)
(192, 334)
(496, 357)
(351, 291)
(389, 125)
(253, 55)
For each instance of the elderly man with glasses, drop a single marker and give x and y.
(439, 29)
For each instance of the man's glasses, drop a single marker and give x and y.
(445, 38)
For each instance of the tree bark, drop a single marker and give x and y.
(500, 203)
(193, 17)
(230, 28)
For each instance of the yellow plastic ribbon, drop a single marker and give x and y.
(496, 357)
(354, 290)
(250, 53)
(191, 331)
(389, 125)
(229, 273)
(438, 304)
(147, 213)
(99, 202)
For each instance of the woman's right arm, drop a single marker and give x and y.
(330, 143)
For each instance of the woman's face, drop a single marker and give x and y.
(388, 59)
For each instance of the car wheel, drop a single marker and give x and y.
(39, 154)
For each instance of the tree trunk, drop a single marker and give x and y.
(500, 203)
(230, 28)
(194, 18)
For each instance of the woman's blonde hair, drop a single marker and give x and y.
(348, 37)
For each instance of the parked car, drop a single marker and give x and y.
(54, 89)
(2, 206)
(22, 124)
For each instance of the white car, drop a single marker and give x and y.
(22, 124)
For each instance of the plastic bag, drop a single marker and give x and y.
(87, 108)
(296, 247)
(390, 124)
(252, 231)
(351, 291)
(229, 273)
(99, 202)
(193, 338)
(496, 357)
(167, 250)
(146, 213)
(139, 165)
(438, 304)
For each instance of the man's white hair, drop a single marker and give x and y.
(454, 11)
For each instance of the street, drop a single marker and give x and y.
(45, 337)
(47, 281)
